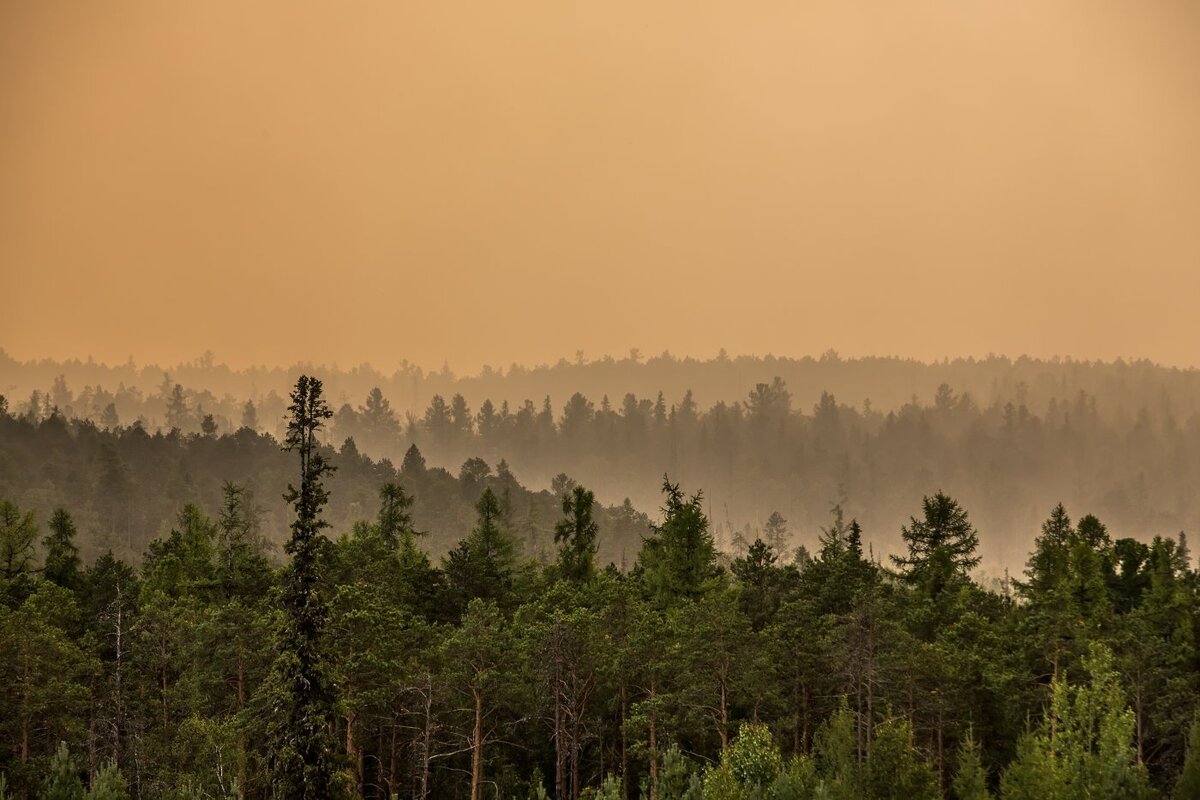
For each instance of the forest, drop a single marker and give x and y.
(1008, 438)
(157, 641)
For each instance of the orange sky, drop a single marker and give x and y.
(498, 182)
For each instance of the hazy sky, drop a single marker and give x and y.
(494, 182)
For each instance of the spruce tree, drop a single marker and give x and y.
(680, 560)
(970, 779)
(395, 518)
(305, 754)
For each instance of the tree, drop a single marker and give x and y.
(395, 518)
(1084, 748)
(305, 755)
(414, 463)
(250, 416)
(42, 675)
(970, 779)
(481, 658)
(379, 422)
(576, 532)
(177, 410)
(109, 784)
(747, 768)
(208, 426)
(775, 532)
(1188, 785)
(62, 781)
(62, 556)
(18, 532)
(941, 546)
(679, 559)
(1065, 593)
(482, 564)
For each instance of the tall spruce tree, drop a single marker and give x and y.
(305, 755)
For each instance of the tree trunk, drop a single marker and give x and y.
(624, 744)
(477, 749)
(241, 700)
(653, 741)
(560, 745)
(724, 715)
(428, 732)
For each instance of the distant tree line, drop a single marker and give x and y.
(1004, 436)
(364, 667)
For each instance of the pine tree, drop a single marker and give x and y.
(413, 464)
(62, 781)
(305, 755)
(18, 532)
(62, 556)
(109, 784)
(576, 532)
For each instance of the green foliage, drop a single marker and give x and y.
(941, 546)
(897, 771)
(61, 562)
(18, 531)
(1084, 748)
(109, 784)
(970, 778)
(305, 755)
(576, 533)
(1188, 785)
(680, 560)
(679, 778)
(62, 780)
(396, 674)
(482, 565)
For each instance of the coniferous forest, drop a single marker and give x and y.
(553, 400)
(556, 647)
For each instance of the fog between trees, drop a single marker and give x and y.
(1009, 438)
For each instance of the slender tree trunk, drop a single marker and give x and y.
(941, 746)
(477, 749)
(858, 716)
(425, 743)
(797, 738)
(1140, 721)
(560, 749)
(241, 700)
(724, 714)
(355, 760)
(25, 717)
(653, 741)
(624, 744)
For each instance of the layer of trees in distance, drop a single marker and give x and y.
(764, 436)
(355, 664)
